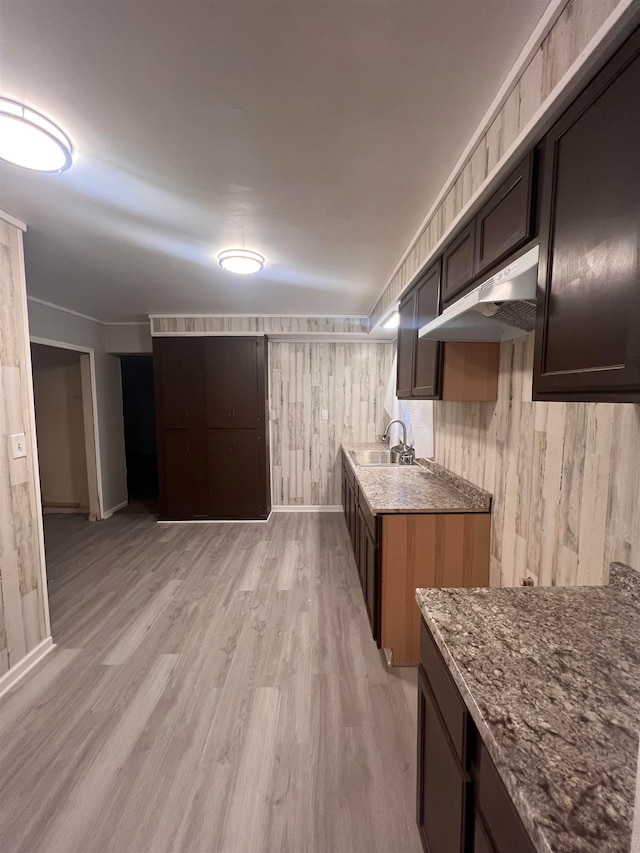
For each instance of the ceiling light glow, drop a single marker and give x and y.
(30, 140)
(241, 261)
(392, 322)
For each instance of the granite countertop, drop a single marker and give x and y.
(423, 488)
(551, 677)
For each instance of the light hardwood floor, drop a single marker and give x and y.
(215, 688)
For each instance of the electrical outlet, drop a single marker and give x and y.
(18, 445)
(325, 414)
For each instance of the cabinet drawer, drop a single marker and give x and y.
(498, 812)
(457, 263)
(505, 222)
(452, 708)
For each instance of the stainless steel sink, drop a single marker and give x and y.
(378, 458)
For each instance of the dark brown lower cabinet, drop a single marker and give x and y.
(444, 787)
(462, 803)
(235, 484)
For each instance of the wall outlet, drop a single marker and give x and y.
(18, 445)
(325, 414)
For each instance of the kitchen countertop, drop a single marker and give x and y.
(551, 677)
(423, 488)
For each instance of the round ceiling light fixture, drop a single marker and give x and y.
(32, 141)
(241, 261)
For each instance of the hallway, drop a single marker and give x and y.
(215, 688)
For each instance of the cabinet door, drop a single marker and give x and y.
(427, 355)
(372, 583)
(178, 502)
(362, 554)
(177, 379)
(498, 814)
(407, 336)
(457, 263)
(232, 382)
(506, 221)
(236, 487)
(481, 841)
(443, 795)
(588, 327)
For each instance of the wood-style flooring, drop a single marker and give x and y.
(214, 688)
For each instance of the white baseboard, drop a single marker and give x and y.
(308, 508)
(18, 672)
(109, 512)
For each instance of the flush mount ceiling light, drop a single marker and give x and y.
(30, 140)
(241, 261)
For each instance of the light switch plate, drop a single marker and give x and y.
(18, 445)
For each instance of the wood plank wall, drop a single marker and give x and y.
(565, 477)
(346, 379)
(23, 603)
(273, 325)
(576, 25)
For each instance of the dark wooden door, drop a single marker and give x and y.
(506, 221)
(406, 343)
(458, 263)
(588, 327)
(427, 354)
(236, 488)
(178, 487)
(443, 787)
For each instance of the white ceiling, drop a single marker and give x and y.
(316, 132)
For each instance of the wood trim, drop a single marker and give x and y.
(439, 550)
(25, 665)
(470, 371)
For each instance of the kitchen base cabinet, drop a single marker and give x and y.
(438, 550)
(443, 785)
(462, 803)
(396, 553)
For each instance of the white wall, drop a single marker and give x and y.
(128, 338)
(53, 324)
(57, 389)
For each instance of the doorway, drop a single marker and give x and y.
(63, 397)
(138, 409)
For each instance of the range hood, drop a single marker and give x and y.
(501, 308)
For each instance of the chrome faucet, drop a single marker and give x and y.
(407, 453)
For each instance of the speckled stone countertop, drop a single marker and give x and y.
(551, 677)
(423, 488)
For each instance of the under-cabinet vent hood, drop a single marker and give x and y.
(501, 308)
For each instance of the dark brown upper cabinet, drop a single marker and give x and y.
(458, 263)
(506, 221)
(407, 334)
(427, 360)
(232, 381)
(419, 359)
(588, 324)
(430, 370)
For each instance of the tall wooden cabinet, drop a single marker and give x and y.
(211, 411)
